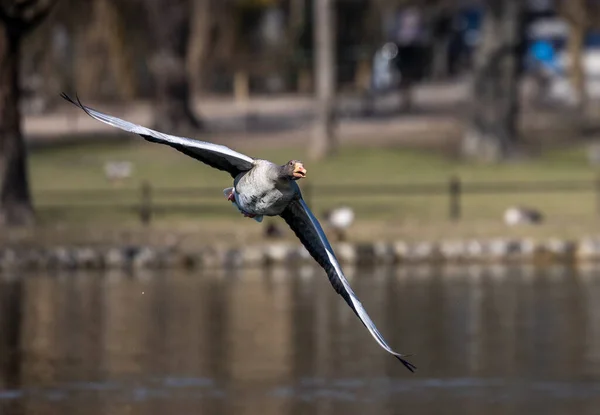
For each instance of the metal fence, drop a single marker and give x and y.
(148, 200)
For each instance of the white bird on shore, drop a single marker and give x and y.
(116, 171)
(261, 188)
(340, 219)
(519, 215)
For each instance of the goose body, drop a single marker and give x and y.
(262, 188)
(260, 191)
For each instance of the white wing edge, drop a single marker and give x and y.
(138, 129)
(362, 313)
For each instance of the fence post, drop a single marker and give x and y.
(146, 204)
(454, 190)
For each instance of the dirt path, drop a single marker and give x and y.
(272, 121)
(287, 119)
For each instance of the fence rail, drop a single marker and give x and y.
(145, 201)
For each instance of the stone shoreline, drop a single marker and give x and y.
(493, 251)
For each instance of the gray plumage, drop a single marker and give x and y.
(264, 188)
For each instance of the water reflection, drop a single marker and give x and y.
(488, 340)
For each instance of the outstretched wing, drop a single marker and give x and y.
(215, 155)
(307, 228)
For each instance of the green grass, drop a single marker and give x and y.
(81, 168)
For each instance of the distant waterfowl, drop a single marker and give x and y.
(117, 171)
(520, 215)
(339, 220)
(262, 188)
(273, 231)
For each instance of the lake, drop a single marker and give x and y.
(486, 340)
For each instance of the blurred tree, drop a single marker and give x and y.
(324, 141)
(440, 18)
(297, 26)
(578, 15)
(51, 50)
(201, 30)
(106, 56)
(170, 22)
(492, 131)
(297, 19)
(17, 17)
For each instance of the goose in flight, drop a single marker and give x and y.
(263, 188)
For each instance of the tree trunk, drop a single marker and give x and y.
(170, 20)
(576, 37)
(492, 131)
(115, 36)
(440, 58)
(442, 23)
(296, 19)
(15, 200)
(578, 21)
(104, 64)
(198, 46)
(324, 141)
(92, 55)
(16, 19)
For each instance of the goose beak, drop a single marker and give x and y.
(299, 171)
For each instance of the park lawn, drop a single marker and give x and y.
(81, 167)
(91, 198)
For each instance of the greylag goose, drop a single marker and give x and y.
(263, 188)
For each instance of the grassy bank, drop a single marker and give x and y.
(89, 208)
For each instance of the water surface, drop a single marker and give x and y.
(486, 341)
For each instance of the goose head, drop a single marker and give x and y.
(293, 170)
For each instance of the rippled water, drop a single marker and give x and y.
(486, 341)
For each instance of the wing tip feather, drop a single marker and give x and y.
(64, 96)
(406, 363)
(76, 102)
